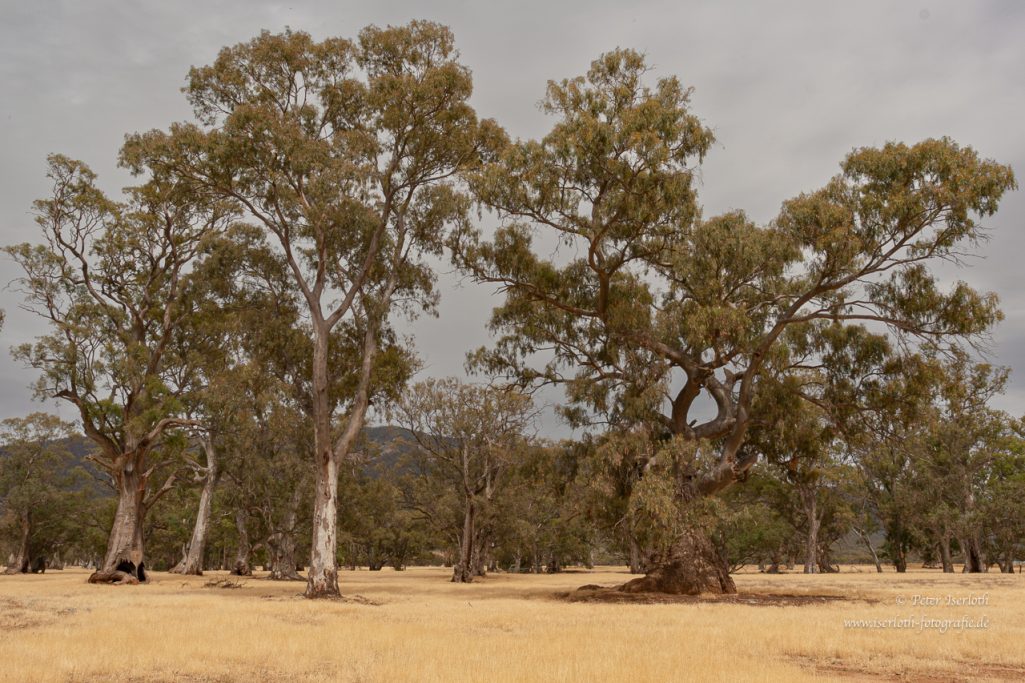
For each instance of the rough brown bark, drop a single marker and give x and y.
(125, 544)
(945, 558)
(463, 570)
(242, 566)
(811, 558)
(974, 563)
(900, 558)
(692, 566)
(282, 545)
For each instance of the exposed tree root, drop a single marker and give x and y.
(116, 577)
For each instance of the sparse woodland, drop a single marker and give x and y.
(781, 396)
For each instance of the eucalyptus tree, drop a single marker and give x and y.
(115, 281)
(961, 443)
(468, 438)
(35, 478)
(648, 311)
(345, 153)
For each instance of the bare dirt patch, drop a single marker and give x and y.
(615, 596)
(958, 671)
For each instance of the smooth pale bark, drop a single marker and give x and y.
(192, 563)
(636, 558)
(322, 578)
(867, 540)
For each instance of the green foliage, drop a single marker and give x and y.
(48, 501)
(657, 306)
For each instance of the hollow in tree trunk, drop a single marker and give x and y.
(124, 561)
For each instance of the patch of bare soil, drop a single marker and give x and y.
(345, 599)
(594, 593)
(959, 671)
(224, 583)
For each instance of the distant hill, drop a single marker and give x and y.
(383, 448)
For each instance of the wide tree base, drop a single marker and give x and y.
(606, 595)
(692, 567)
(115, 577)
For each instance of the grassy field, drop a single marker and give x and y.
(416, 626)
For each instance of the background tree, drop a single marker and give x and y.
(702, 310)
(342, 151)
(115, 281)
(47, 499)
(468, 439)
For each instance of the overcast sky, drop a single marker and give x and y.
(788, 87)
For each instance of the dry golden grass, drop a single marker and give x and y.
(505, 628)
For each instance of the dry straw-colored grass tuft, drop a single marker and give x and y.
(416, 626)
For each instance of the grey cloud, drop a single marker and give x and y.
(789, 87)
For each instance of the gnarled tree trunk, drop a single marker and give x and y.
(692, 566)
(125, 553)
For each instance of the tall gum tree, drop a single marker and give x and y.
(649, 310)
(345, 152)
(115, 281)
